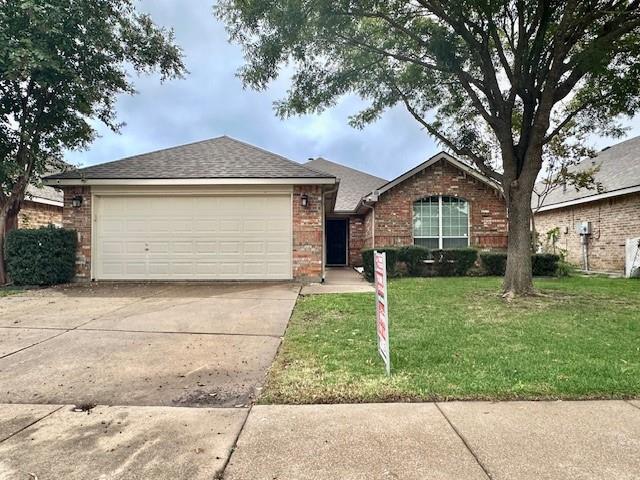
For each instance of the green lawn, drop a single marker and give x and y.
(6, 291)
(455, 338)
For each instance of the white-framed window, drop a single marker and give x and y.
(441, 222)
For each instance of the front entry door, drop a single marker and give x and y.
(336, 242)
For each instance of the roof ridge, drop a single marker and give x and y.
(349, 168)
(275, 155)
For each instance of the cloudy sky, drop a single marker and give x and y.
(211, 101)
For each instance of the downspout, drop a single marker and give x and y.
(324, 236)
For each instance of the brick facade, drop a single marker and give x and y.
(36, 215)
(393, 222)
(356, 240)
(307, 233)
(613, 220)
(79, 219)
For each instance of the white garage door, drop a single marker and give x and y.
(193, 237)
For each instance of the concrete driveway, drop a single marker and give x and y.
(134, 350)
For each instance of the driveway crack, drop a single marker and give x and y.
(33, 423)
(78, 327)
(465, 442)
(220, 474)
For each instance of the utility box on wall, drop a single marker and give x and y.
(632, 264)
(584, 228)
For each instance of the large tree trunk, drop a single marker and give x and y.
(518, 279)
(3, 231)
(8, 222)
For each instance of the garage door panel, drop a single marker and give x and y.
(199, 237)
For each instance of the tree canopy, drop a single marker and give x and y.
(63, 64)
(498, 83)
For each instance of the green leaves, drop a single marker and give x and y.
(62, 65)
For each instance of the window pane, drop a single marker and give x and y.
(456, 222)
(425, 217)
(455, 242)
(431, 243)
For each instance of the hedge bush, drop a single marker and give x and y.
(454, 262)
(542, 264)
(413, 257)
(494, 263)
(545, 264)
(43, 256)
(393, 255)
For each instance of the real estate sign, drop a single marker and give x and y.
(382, 308)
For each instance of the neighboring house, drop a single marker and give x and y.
(42, 206)
(223, 209)
(614, 212)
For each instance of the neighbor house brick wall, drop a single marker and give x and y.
(356, 240)
(307, 233)
(613, 220)
(35, 215)
(394, 210)
(79, 219)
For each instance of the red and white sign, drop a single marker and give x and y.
(382, 308)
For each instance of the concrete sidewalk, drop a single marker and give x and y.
(470, 440)
(339, 280)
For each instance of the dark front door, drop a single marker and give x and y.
(336, 231)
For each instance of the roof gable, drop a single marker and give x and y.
(354, 184)
(442, 156)
(217, 158)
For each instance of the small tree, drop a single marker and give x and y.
(62, 65)
(493, 81)
(561, 159)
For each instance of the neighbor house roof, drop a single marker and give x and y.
(217, 158)
(354, 184)
(44, 194)
(619, 174)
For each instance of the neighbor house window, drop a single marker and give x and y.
(441, 222)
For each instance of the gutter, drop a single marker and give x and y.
(590, 198)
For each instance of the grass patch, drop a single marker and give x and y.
(11, 290)
(455, 338)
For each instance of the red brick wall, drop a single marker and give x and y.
(35, 215)
(394, 209)
(368, 230)
(307, 233)
(613, 220)
(79, 219)
(356, 240)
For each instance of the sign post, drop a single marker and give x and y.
(382, 308)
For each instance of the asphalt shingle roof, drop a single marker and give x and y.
(221, 157)
(354, 184)
(48, 193)
(619, 168)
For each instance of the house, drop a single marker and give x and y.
(612, 214)
(224, 209)
(42, 206)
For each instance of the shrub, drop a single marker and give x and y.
(392, 261)
(414, 256)
(544, 264)
(454, 262)
(44, 256)
(494, 263)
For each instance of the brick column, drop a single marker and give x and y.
(356, 241)
(79, 219)
(307, 233)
